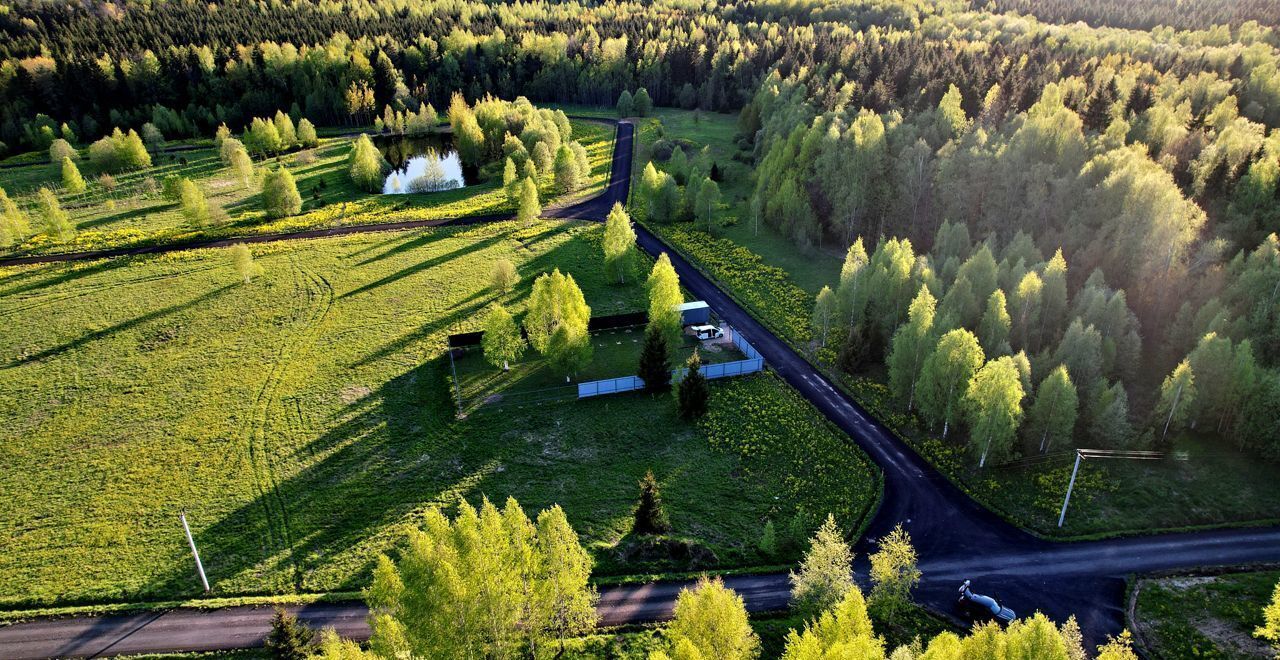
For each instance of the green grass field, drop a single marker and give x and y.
(1210, 616)
(136, 213)
(304, 420)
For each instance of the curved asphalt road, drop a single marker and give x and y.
(956, 538)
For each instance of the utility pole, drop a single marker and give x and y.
(1082, 454)
(194, 553)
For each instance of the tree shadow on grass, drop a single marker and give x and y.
(60, 274)
(424, 265)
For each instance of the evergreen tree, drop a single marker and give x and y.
(54, 221)
(244, 264)
(1052, 417)
(71, 179)
(650, 517)
(945, 376)
(994, 408)
(910, 347)
(501, 343)
(289, 638)
(665, 299)
(826, 572)
(643, 104)
(767, 546)
(655, 364)
(619, 244)
(710, 621)
(693, 394)
(280, 195)
(529, 208)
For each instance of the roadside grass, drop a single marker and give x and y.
(136, 213)
(304, 421)
(1210, 616)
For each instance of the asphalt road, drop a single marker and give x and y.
(956, 538)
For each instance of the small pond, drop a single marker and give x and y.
(422, 165)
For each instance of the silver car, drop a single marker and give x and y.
(983, 608)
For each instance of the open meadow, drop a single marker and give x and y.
(305, 419)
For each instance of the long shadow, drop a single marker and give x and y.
(424, 265)
(411, 242)
(119, 327)
(474, 306)
(127, 214)
(65, 274)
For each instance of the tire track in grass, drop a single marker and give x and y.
(315, 294)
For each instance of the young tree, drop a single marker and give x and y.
(568, 175)
(280, 195)
(501, 343)
(650, 517)
(366, 165)
(62, 149)
(994, 407)
(529, 208)
(194, 207)
(13, 222)
(1118, 648)
(767, 545)
(1053, 415)
(643, 104)
(619, 244)
(825, 308)
(626, 107)
(289, 638)
(664, 300)
(284, 127)
(910, 347)
(488, 584)
(693, 394)
(55, 223)
(307, 134)
(557, 322)
(655, 363)
(1270, 629)
(710, 621)
(243, 262)
(71, 179)
(993, 330)
(945, 376)
(708, 200)
(1027, 301)
(511, 182)
(263, 138)
(894, 572)
(826, 572)
(1177, 395)
(844, 631)
(503, 276)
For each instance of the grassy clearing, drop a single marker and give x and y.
(304, 420)
(136, 213)
(1205, 616)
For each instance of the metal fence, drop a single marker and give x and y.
(754, 362)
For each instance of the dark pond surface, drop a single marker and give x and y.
(423, 164)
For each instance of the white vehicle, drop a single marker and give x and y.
(706, 331)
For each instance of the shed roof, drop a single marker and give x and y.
(696, 304)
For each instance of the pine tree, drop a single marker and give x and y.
(650, 517)
(693, 394)
(501, 343)
(280, 195)
(289, 638)
(655, 363)
(768, 543)
(826, 572)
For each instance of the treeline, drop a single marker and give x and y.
(186, 68)
(1144, 14)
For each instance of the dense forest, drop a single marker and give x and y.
(1075, 194)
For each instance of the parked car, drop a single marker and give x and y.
(982, 608)
(707, 331)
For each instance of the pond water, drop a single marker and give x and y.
(422, 165)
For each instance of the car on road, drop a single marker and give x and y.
(706, 331)
(982, 608)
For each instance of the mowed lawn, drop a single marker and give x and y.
(136, 212)
(304, 420)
